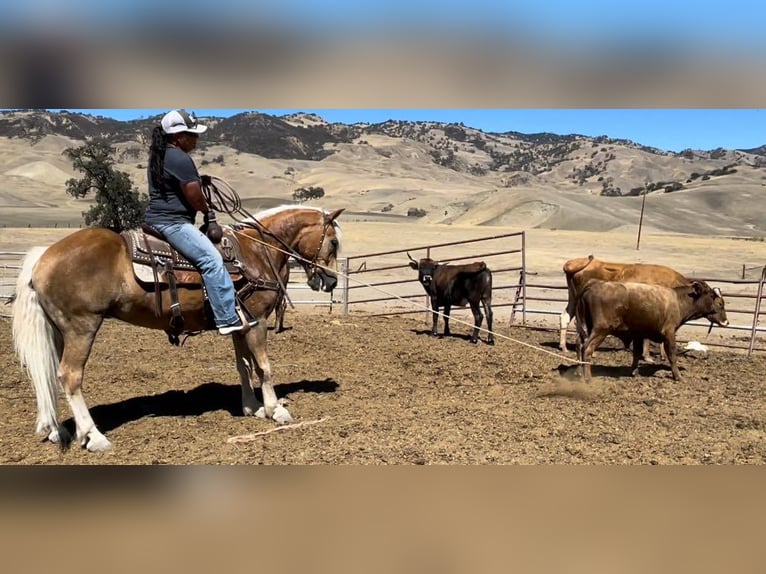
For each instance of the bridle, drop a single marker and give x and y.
(227, 200)
(312, 266)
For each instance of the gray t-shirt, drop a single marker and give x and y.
(168, 204)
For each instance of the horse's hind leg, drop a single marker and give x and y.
(250, 350)
(77, 348)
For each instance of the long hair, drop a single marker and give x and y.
(157, 156)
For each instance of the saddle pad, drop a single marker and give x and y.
(144, 249)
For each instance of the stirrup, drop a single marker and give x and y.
(243, 326)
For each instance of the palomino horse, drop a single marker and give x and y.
(65, 291)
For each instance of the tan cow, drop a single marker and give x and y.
(640, 311)
(580, 271)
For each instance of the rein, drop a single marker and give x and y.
(227, 200)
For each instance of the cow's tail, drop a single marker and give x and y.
(36, 341)
(583, 314)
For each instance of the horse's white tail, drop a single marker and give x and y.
(37, 343)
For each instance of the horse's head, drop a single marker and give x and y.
(320, 244)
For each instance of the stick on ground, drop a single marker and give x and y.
(251, 437)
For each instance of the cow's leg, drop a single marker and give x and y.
(447, 309)
(637, 346)
(488, 313)
(477, 319)
(435, 316)
(669, 342)
(567, 316)
(646, 351)
(582, 335)
(591, 344)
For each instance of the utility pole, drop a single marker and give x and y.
(641, 218)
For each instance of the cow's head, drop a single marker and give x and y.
(425, 268)
(710, 303)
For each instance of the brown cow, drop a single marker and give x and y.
(642, 312)
(581, 270)
(458, 285)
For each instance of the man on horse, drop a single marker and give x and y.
(175, 197)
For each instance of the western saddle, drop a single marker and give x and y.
(157, 266)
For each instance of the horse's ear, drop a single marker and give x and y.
(330, 217)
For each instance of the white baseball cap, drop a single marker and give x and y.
(176, 121)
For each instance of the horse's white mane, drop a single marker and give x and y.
(274, 210)
(280, 208)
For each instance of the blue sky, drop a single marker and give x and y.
(673, 130)
(735, 22)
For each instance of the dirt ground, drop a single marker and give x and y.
(386, 392)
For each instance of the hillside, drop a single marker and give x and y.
(404, 171)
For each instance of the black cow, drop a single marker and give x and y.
(457, 285)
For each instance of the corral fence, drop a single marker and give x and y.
(383, 283)
(744, 308)
(10, 265)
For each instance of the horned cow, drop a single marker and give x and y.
(642, 311)
(457, 285)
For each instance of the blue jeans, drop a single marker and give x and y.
(197, 248)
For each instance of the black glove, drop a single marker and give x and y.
(211, 228)
(206, 180)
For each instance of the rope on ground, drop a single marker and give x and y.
(252, 436)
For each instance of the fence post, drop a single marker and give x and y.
(757, 311)
(344, 266)
(427, 303)
(523, 278)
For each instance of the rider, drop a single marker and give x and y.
(175, 197)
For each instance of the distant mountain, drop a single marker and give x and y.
(445, 173)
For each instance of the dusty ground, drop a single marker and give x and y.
(391, 394)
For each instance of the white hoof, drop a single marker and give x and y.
(281, 415)
(261, 413)
(59, 436)
(98, 442)
(249, 411)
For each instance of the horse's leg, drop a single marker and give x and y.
(77, 347)
(245, 364)
(279, 323)
(255, 341)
